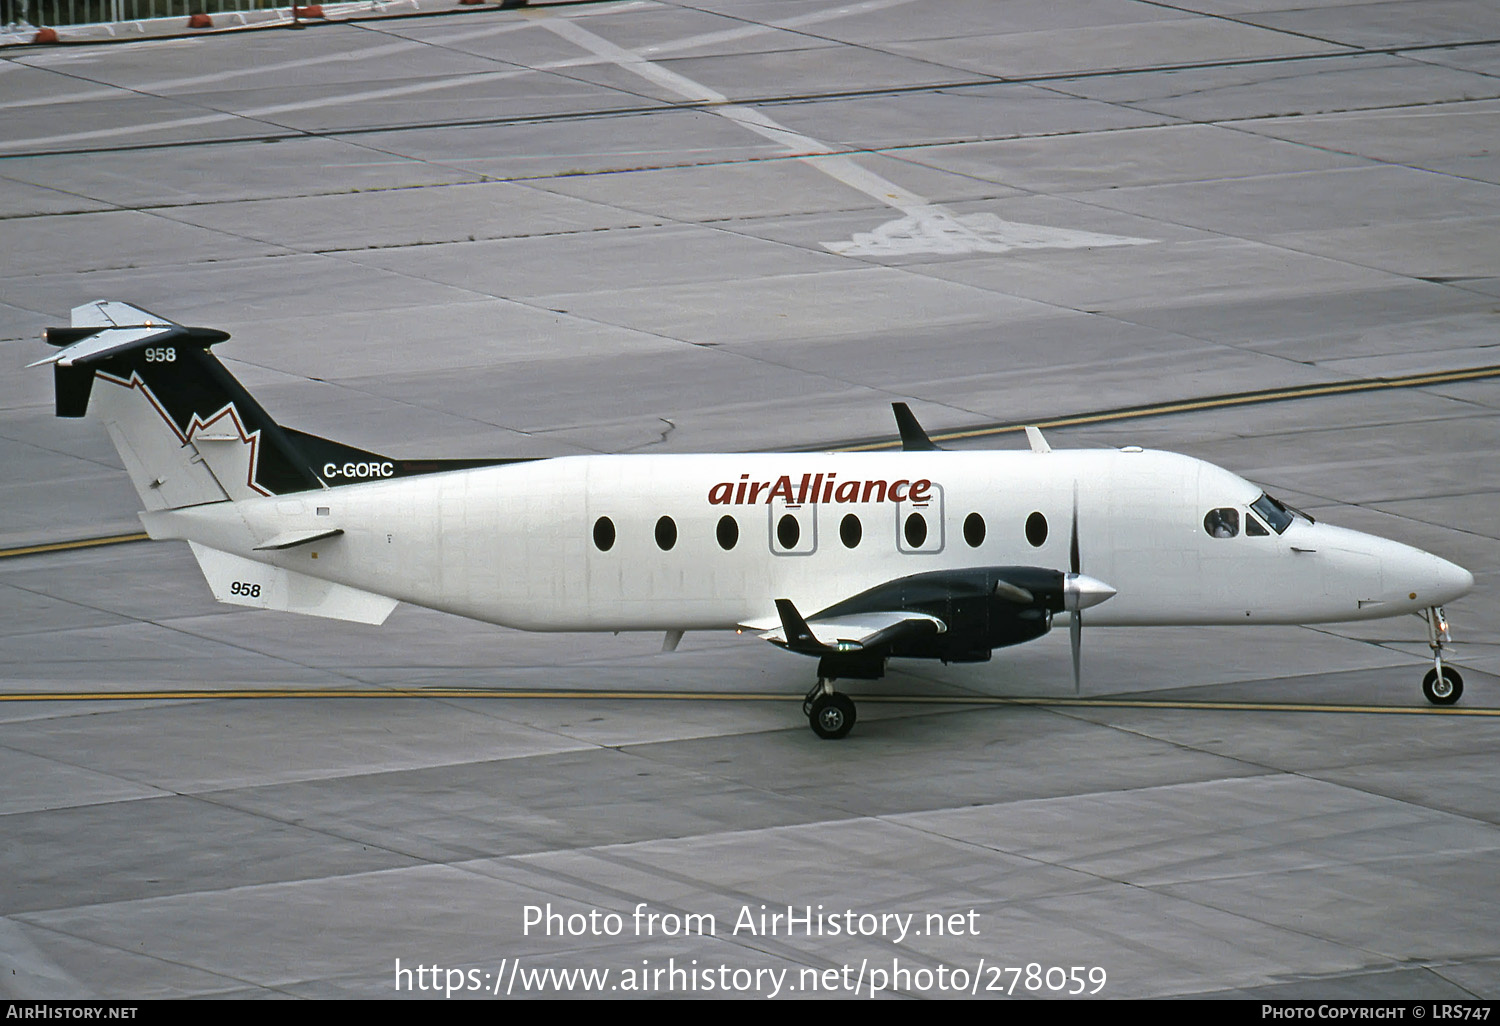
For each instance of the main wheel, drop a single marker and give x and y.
(1444, 690)
(832, 716)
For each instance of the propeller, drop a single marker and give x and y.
(1079, 592)
(1075, 613)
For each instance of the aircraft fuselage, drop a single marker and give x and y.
(703, 542)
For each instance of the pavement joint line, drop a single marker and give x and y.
(364, 694)
(1271, 395)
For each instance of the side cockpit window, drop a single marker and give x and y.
(1222, 523)
(1254, 528)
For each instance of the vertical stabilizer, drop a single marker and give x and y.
(187, 431)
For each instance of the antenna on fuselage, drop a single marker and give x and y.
(1035, 439)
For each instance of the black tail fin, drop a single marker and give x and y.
(187, 431)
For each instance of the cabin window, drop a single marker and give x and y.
(1254, 528)
(974, 530)
(604, 534)
(850, 531)
(728, 532)
(916, 530)
(666, 533)
(788, 531)
(1036, 530)
(1222, 523)
(1276, 513)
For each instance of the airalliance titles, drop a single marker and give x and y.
(751, 921)
(818, 488)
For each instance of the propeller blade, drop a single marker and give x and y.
(1075, 638)
(1079, 593)
(1074, 562)
(1075, 615)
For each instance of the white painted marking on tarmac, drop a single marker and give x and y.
(167, 86)
(940, 231)
(927, 227)
(406, 89)
(277, 67)
(670, 80)
(784, 24)
(633, 62)
(91, 55)
(110, 133)
(591, 11)
(311, 103)
(79, 97)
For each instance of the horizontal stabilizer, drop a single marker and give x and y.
(112, 313)
(244, 582)
(98, 343)
(108, 327)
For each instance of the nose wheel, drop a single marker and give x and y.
(830, 714)
(1443, 684)
(1442, 688)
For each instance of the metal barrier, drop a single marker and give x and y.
(50, 13)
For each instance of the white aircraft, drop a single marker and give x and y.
(853, 558)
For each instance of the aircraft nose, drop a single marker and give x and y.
(1428, 579)
(1453, 580)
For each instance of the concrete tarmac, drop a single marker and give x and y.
(711, 225)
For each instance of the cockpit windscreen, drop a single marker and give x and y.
(1275, 513)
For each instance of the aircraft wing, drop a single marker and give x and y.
(850, 632)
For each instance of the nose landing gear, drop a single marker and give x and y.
(1443, 685)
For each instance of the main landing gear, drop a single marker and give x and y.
(1442, 685)
(830, 714)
